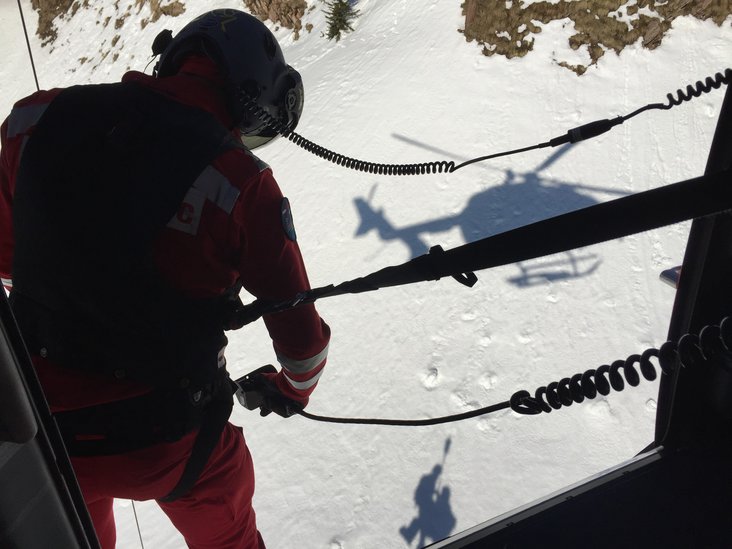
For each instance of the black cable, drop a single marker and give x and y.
(598, 127)
(409, 422)
(505, 153)
(586, 131)
(691, 351)
(27, 41)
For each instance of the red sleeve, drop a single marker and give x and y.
(272, 267)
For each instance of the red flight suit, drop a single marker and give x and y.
(229, 228)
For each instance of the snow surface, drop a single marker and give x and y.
(407, 87)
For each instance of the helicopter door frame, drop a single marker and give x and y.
(41, 505)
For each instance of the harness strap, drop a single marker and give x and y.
(212, 425)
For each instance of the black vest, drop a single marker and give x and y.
(105, 169)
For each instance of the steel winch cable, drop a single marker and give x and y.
(27, 41)
(137, 522)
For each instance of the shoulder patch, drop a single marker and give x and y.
(287, 222)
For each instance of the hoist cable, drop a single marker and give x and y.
(27, 41)
(137, 522)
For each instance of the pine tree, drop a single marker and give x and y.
(339, 15)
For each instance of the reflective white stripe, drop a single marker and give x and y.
(6, 282)
(217, 188)
(303, 366)
(22, 118)
(304, 385)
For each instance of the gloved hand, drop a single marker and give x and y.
(259, 389)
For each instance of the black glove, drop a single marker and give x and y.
(258, 389)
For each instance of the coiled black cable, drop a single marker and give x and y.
(342, 160)
(690, 351)
(699, 88)
(682, 95)
(574, 135)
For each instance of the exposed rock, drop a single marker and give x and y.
(157, 8)
(48, 10)
(507, 28)
(287, 13)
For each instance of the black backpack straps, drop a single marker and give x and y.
(105, 170)
(212, 425)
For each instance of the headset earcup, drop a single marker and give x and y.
(162, 41)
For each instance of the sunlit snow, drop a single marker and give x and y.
(406, 87)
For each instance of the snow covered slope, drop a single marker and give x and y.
(407, 87)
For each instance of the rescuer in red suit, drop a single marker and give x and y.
(131, 215)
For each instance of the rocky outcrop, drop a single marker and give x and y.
(286, 13)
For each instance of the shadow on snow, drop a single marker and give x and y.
(521, 198)
(435, 520)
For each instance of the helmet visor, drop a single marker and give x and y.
(251, 142)
(261, 124)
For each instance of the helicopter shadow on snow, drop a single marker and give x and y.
(521, 198)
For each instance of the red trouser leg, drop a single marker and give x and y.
(217, 513)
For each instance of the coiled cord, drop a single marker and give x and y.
(574, 135)
(440, 166)
(699, 88)
(682, 95)
(342, 160)
(690, 351)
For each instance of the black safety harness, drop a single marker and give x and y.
(105, 169)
